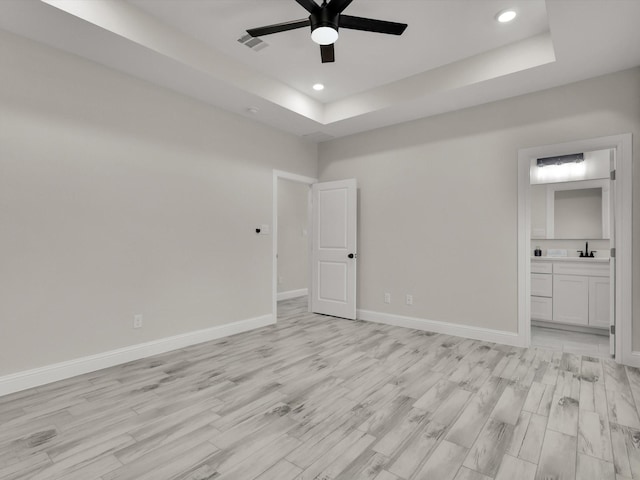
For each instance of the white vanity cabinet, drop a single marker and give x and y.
(571, 291)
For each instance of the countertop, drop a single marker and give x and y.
(571, 259)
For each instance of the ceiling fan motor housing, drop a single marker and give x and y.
(324, 18)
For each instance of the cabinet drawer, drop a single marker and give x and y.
(541, 285)
(541, 267)
(576, 268)
(541, 308)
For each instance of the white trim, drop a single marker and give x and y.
(622, 235)
(633, 359)
(274, 248)
(294, 176)
(79, 366)
(302, 292)
(466, 331)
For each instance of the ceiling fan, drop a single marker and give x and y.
(325, 20)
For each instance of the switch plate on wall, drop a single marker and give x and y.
(387, 298)
(137, 321)
(409, 299)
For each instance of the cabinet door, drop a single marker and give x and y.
(571, 299)
(599, 302)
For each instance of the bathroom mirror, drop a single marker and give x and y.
(570, 210)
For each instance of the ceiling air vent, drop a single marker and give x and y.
(253, 43)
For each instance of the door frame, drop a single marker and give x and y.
(280, 174)
(623, 241)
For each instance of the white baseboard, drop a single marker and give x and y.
(632, 360)
(59, 371)
(466, 331)
(293, 294)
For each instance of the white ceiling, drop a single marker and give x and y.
(453, 54)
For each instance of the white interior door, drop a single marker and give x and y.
(612, 261)
(333, 283)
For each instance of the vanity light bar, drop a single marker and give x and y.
(573, 158)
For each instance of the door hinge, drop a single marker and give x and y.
(613, 329)
(613, 174)
(613, 252)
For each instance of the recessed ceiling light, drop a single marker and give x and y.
(318, 86)
(506, 16)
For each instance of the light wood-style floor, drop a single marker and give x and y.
(323, 398)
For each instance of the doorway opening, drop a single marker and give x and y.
(291, 238)
(572, 216)
(569, 296)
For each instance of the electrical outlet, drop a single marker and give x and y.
(137, 321)
(409, 299)
(387, 298)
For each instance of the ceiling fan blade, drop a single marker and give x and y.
(371, 25)
(327, 53)
(309, 5)
(278, 27)
(338, 6)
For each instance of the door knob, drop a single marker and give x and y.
(353, 255)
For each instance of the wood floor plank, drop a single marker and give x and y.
(532, 442)
(622, 409)
(594, 437)
(508, 408)
(465, 430)
(512, 468)
(619, 449)
(348, 448)
(558, 457)
(519, 432)
(367, 466)
(590, 468)
(384, 475)
(534, 397)
(443, 463)
(417, 449)
(486, 453)
(465, 474)
(563, 416)
(545, 402)
(282, 470)
(394, 438)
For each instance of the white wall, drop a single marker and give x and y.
(438, 198)
(118, 197)
(293, 241)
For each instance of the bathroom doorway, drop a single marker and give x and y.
(569, 207)
(571, 217)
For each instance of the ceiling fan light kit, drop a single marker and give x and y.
(325, 20)
(324, 35)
